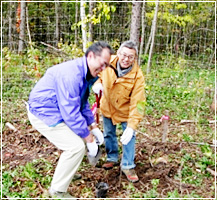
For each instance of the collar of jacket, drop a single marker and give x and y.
(87, 75)
(89, 80)
(84, 60)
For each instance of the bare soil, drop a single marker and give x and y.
(154, 160)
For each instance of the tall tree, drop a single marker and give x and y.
(148, 42)
(27, 25)
(76, 21)
(135, 22)
(143, 31)
(10, 39)
(83, 25)
(57, 31)
(22, 26)
(91, 6)
(154, 26)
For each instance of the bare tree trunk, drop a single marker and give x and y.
(76, 21)
(91, 6)
(154, 25)
(10, 39)
(148, 43)
(57, 31)
(135, 22)
(22, 26)
(27, 25)
(49, 29)
(143, 31)
(168, 38)
(83, 25)
(185, 44)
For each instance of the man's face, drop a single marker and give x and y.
(126, 57)
(97, 63)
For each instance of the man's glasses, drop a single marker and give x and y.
(130, 58)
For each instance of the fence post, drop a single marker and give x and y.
(164, 119)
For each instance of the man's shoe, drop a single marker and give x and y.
(56, 194)
(77, 177)
(109, 165)
(131, 175)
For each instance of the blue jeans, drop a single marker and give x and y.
(111, 145)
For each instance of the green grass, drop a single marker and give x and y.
(22, 182)
(185, 91)
(174, 84)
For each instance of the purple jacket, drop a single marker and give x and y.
(60, 95)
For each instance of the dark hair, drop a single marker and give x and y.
(97, 48)
(129, 44)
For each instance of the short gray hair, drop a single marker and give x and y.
(129, 44)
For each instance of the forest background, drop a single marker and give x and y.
(177, 53)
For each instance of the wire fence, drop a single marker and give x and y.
(179, 36)
(185, 32)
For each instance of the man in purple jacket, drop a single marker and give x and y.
(58, 108)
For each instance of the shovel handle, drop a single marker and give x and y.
(98, 97)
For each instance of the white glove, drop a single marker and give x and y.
(92, 148)
(127, 135)
(97, 87)
(99, 135)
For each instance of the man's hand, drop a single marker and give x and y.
(127, 135)
(99, 135)
(89, 138)
(92, 148)
(97, 87)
